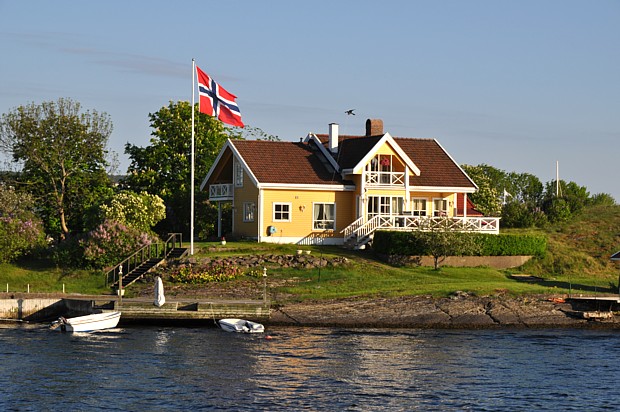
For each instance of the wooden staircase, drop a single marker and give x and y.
(144, 260)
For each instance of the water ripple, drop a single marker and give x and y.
(168, 369)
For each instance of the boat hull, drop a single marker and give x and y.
(89, 323)
(241, 326)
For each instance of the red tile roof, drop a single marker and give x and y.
(302, 163)
(436, 166)
(286, 162)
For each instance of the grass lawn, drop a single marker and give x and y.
(364, 276)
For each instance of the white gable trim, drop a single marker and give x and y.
(324, 151)
(229, 144)
(358, 168)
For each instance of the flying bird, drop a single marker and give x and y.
(350, 112)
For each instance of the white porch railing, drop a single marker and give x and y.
(221, 192)
(360, 229)
(385, 178)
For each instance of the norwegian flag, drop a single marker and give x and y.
(216, 101)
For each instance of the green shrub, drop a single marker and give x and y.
(412, 244)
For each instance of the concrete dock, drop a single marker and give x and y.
(43, 308)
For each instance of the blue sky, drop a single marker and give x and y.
(516, 85)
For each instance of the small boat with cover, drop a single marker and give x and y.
(241, 325)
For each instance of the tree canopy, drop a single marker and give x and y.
(524, 201)
(62, 150)
(164, 167)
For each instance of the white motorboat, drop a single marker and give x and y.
(88, 323)
(241, 325)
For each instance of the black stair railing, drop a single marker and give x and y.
(153, 251)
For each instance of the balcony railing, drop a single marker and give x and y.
(221, 192)
(385, 178)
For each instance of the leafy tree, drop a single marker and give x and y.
(62, 150)
(519, 214)
(442, 239)
(602, 199)
(571, 199)
(255, 133)
(487, 199)
(164, 167)
(20, 229)
(558, 210)
(141, 211)
(525, 188)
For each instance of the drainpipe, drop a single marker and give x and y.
(219, 219)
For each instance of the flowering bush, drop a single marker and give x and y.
(141, 211)
(20, 230)
(111, 242)
(212, 273)
(18, 237)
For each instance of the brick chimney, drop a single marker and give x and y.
(333, 137)
(374, 127)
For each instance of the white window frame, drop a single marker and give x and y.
(385, 205)
(249, 211)
(440, 212)
(324, 222)
(289, 211)
(419, 212)
(238, 174)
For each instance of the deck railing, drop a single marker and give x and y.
(220, 191)
(385, 178)
(360, 229)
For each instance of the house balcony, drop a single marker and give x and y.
(221, 192)
(385, 179)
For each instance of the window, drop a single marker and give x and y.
(249, 209)
(385, 205)
(419, 207)
(238, 174)
(323, 216)
(440, 207)
(281, 212)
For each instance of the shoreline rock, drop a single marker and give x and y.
(460, 312)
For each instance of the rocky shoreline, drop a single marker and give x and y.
(461, 311)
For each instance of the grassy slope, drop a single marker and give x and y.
(583, 246)
(577, 261)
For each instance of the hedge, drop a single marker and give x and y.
(409, 244)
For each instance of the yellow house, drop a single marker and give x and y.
(334, 189)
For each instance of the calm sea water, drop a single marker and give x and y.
(173, 369)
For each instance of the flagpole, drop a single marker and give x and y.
(191, 230)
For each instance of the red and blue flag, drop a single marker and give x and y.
(216, 101)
